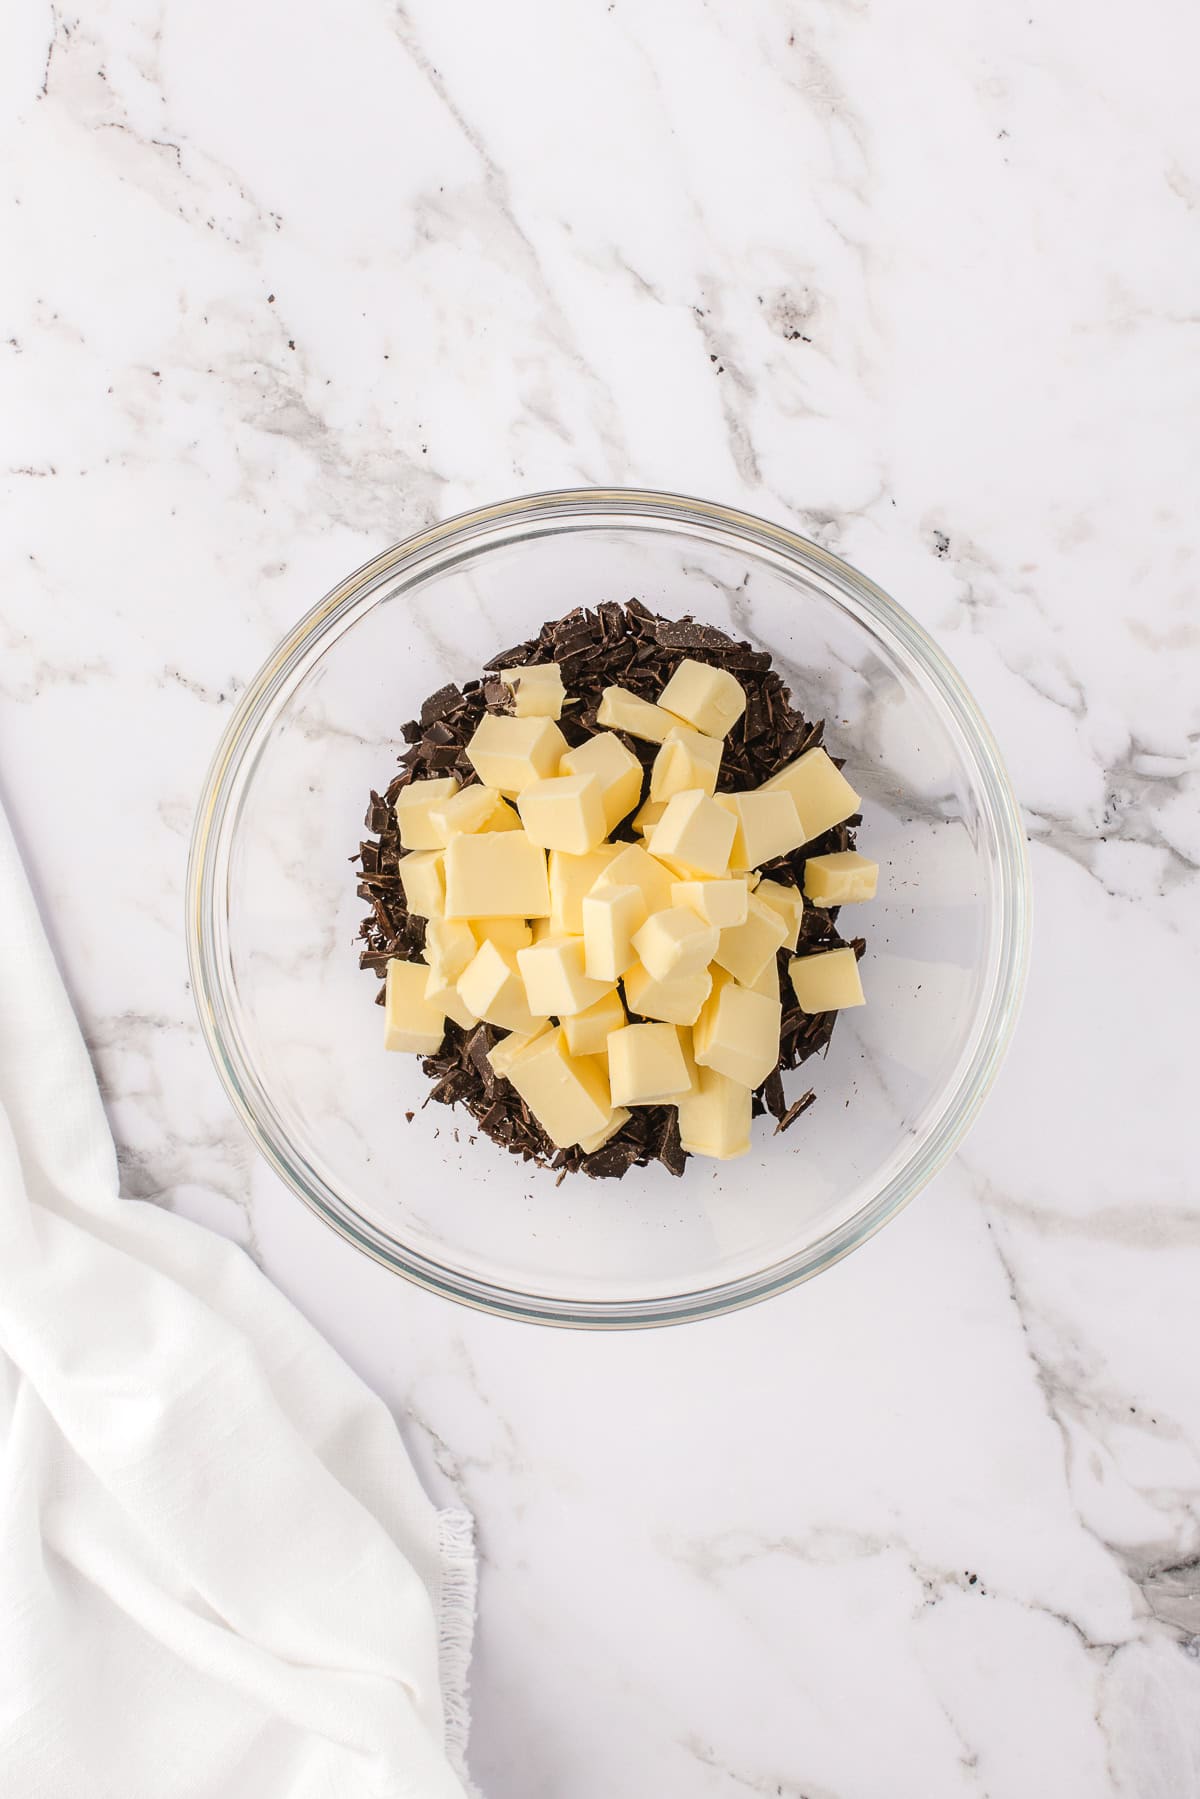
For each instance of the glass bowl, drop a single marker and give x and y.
(289, 1016)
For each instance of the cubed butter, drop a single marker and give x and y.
(449, 945)
(745, 949)
(502, 1055)
(737, 1032)
(505, 933)
(827, 981)
(711, 699)
(768, 825)
(672, 1002)
(538, 690)
(823, 795)
(509, 753)
(616, 768)
(840, 878)
(495, 874)
(445, 996)
(719, 902)
(556, 981)
(423, 878)
(646, 1065)
(620, 710)
(611, 915)
(570, 878)
(410, 1021)
(686, 760)
(788, 902)
(474, 808)
(695, 833)
(414, 806)
(714, 1119)
(675, 943)
(568, 1095)
(588, 1031)
(492, 987)
(645, 820)
(564, 812)
(597, 1140)
(632, 866)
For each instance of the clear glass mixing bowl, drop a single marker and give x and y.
(288, 1015)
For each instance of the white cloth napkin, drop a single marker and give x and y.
(218, 1573)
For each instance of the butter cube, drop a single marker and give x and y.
(474, 808)
(423, 878)
(491, 985)
(564, 812)
(413, 812)
(568, 1095)
(410, 1022)
(788, 902)
(675, 943)
(616, 768)
(611, 915)
(502, 1055)
(823, 795)
(840, 878)
(745, 949)
(737, 1033)
(538, 690)
(720, 902)
(449, 945)
(509, 753)
(620, 710)
(673, 1002)
(556, 980)
(495, 874)
(646, 1065)
(645, 820)
(695, 833)
(714, 1119)
(570, 878)
(505, 933)
(445, 996)
(686, 760)
(711, 699)
(632, 866)
(768, 825)
(587, 1032)
(827, 981)
(598, 1139)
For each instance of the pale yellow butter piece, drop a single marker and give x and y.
(673, 1002)
(564, 812)
(445, 996)
(616, 768)
(828, 981)
(737, 1032)
(695, 833)
(509, 753)
(410, 1021)
(646, 1066)
(645, 820)
(568, 1095)
(768, 825)
(538, 690)
(675, 943)
(719, 902)
(632, 866)
(414, 805)
(556, 981)
(823, 795)
(474, 808)
(788, 902)
(570, 878)
(714, 1119)
(588, 1031)
(598, 1139)
(745, 949)
(611, 915)
(491, 985)
(502, 1055)
(686, 760)
(840, 879)
(505, 933)
(449, 945)
(495, 874)
(620, 710)
(423, 878)
(711, 699)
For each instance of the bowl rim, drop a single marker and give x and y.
(961, 1102)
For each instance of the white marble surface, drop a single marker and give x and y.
(279, 284)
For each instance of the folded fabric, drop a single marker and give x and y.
(219, 1575)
